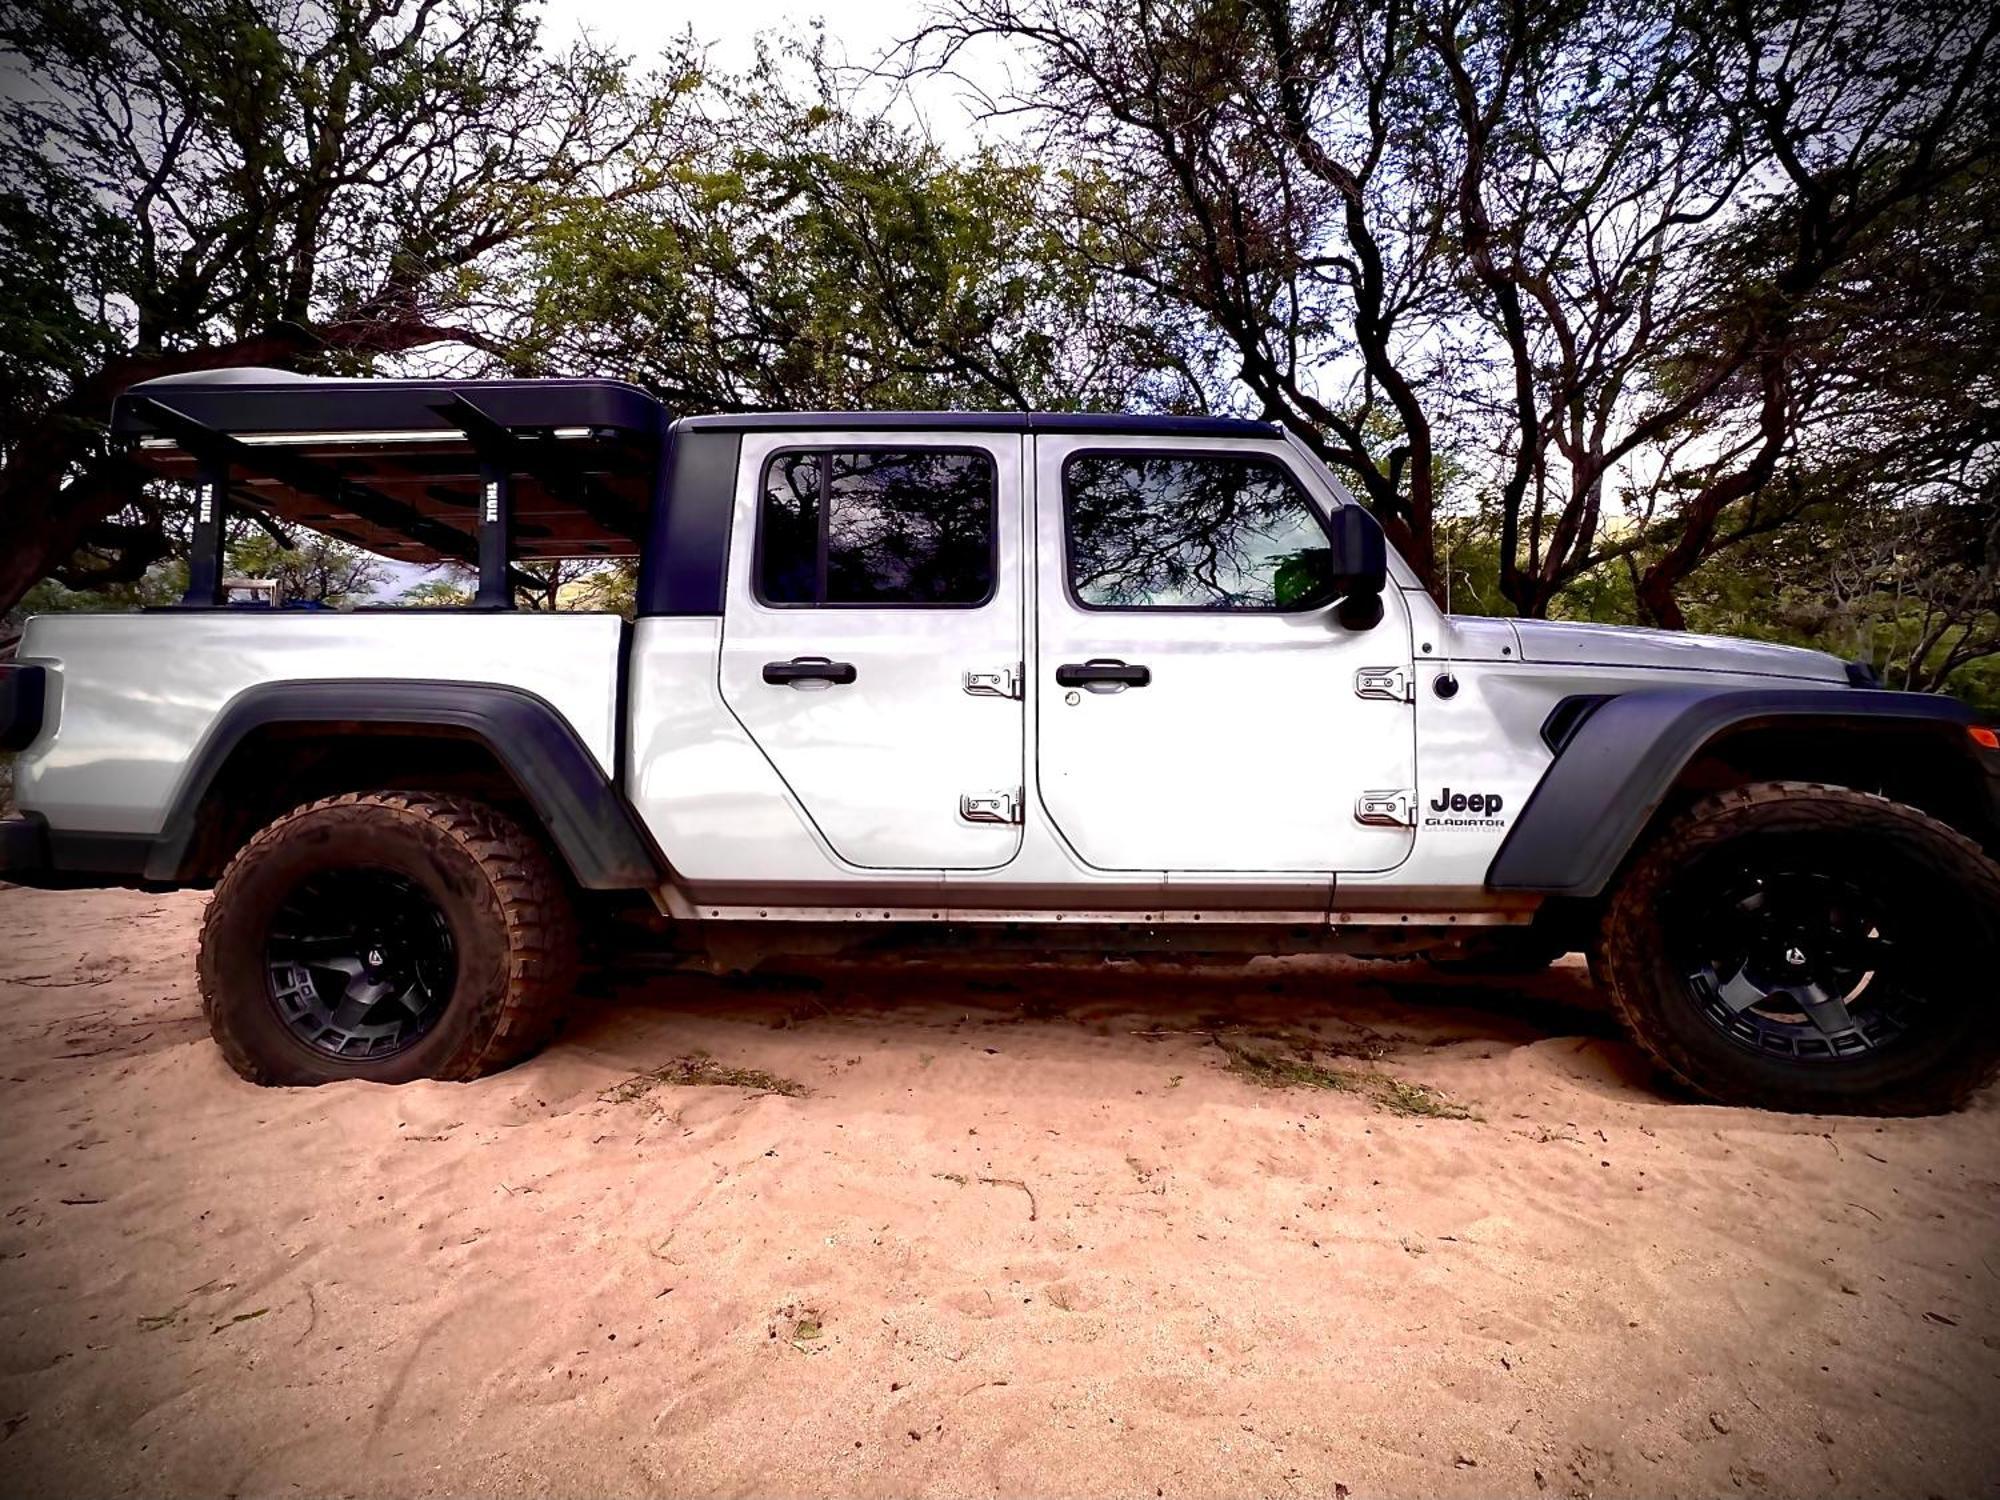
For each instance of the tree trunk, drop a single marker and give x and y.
(1657, 604)
(44, 509)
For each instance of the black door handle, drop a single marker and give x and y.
(1101, 670)
(808, 669)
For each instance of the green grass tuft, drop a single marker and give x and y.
(1298, 1068)
(698, 1069)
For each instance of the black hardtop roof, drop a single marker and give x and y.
(1111, 424)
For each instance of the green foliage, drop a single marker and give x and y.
(613, 589)
(1913, 589)
(1978, 683)
(1469, 567)
(437, 593)
(315, 569)
(810, 256)
(576, 583)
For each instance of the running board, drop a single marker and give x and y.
(1098, 918)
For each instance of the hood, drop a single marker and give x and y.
(1564, 643)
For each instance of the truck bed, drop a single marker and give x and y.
(132, 697)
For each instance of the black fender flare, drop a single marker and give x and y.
(580, 808)
(1617, 766)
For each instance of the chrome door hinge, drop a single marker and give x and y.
(1005, 683)
(990, 807)
(1392, 683)
(1386, 809)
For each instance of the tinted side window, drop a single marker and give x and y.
(788, 530)
(1192, 531)
(876, 526)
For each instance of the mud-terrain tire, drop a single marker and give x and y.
(444, 943)
(1812, 948)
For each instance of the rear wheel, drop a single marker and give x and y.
(1804, 947)
(386, 936)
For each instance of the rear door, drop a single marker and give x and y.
(1199, 706)
(872, 644)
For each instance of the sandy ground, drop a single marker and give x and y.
(1028, 1232)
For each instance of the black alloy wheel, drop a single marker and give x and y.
(1815, 964)
(359, 963)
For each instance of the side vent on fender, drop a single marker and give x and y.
(1568, 716)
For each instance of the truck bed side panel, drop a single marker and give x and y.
(133, 696)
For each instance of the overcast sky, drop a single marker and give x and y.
(860, 33)
(643, 29)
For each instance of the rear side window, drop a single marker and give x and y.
(877, 526)
(1192, 531)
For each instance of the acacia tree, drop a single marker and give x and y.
(810, 253)
(1896, 468)
(1580, 237)
(1862, 125)
(1244, 168)
(229, 183)
(316, 569)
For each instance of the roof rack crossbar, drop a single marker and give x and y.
(498, 443)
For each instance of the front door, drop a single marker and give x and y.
(872, 645)
(1199, 706)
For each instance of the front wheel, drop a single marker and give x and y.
(385, 936)
(1814, 948)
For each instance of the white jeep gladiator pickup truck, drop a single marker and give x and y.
(1117, 682)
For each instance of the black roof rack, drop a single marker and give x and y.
(396, 466)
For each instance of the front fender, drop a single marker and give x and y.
(1619, 764)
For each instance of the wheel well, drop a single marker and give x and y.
(277, 767)
(1924, 765)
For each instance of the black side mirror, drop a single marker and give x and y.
(1360, 567)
